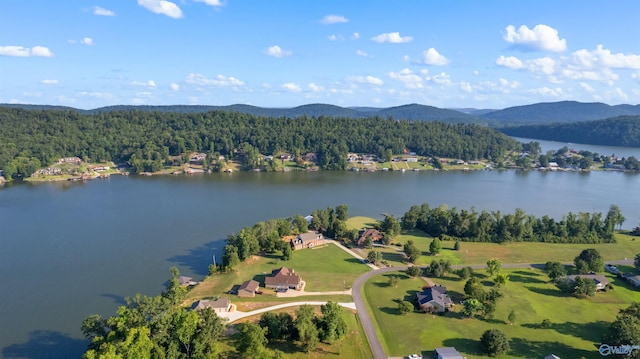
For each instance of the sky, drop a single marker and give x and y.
(451, 54)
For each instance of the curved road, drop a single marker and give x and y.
(367, 323)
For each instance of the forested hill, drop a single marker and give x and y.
(617, 131)
(29, 137)
(414, 112)
(557, 112)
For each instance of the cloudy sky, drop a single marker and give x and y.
(284, 53)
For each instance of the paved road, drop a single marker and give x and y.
(235, 315)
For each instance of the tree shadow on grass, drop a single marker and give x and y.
(464, 346)
(526, 348)
(47, 344)
(392, 256)
(554, 292)
(353, 260)
(524, 279)
(199, 258)
(588, 331)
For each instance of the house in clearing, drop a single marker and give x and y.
(283, 278)
(307, 240)
(448, 353)
(600, 280)
(220, 305)
(248, 289)
(434, 299)
(375, 235)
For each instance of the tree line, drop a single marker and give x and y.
(147, 140)
(496, 227)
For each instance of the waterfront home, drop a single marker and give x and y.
(434, 299)
(186, 281)
(283, 278)
(376, 236)
(248, 289)
(307, 240)
(72, 160)
(220, 305)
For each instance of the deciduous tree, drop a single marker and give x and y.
(494, 342)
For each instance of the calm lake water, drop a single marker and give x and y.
(68, 250)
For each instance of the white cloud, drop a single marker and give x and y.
(315, 88)
(49, 82)
(355, 36)
(211, 2)
(362, 53)
(86, 41)
(218, 81)
(603, 57)
(407, 77)
(162, 7)
(100, 95)
(392, 37)
(175, 87)
(511, 62)
(333, 37)
(276, 51)
(19, 51)
(97, 10)
(466, 87)
(548, 92)
(333, 19)
(441, 79)
(371, 80)
(433, 57)
(291, 86)
(586, 86)
(150, 83)
(541, 37)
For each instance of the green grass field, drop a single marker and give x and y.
(516, 252)
(577, 324)
(326, 268)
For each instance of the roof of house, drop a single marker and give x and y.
(552, 356)
(309, 236)
(374, 233)
(184, 280)
(448, 353)
(597, 278)
(437, 294)
(632, 276)
(283, 276)
(205, 303)
(250, 285)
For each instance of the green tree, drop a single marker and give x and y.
(332, 324)
(494, 342)
(473, 289)
(253, 341)
(511, 318)
(555, 270)
(589, 260)
(393, 281)
(625, 329)
(342, 212)
(412, 252)
(374, 257)
(636, 261)
(405, 307)
(390, 226)
(614, 216)
(435, 246)
(230, 257)
(287, 252)
(279, 326)
(413, 271)
(456, 246)
(494, 266)
(472, 307)
(584, 287)
(368, 242)
(300, 224)
(501, 279)
(305, 325)
(464, 272)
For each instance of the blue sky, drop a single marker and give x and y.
(285, 53)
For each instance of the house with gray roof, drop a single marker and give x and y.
(632, 279)
(434, 299)
(283, 278)
(220, 305)
(448, 353)
(307, 240)
(248, 289)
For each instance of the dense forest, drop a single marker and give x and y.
(451, 224)
(617, 131)
(30, 139)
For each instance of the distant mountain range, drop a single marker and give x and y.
(539, 113)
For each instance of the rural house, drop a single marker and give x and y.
(186, 281)
(307, 240)
(220, 305)
(600, 280)
(248, 289)
(448, 353)
(283, 278)
(375, 235)
(434, 299)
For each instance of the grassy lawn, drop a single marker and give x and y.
(353, 345)
(576, 324)
(326, 268)
(517, 252)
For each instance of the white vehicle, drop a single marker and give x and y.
(415, 356)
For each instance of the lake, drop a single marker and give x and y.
(68, 250)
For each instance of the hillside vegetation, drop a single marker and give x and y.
(618, 131)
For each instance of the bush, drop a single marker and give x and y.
(494, 342)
